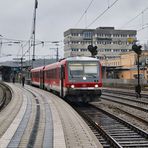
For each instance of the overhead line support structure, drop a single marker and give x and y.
(34, 30)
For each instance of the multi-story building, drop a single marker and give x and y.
(110, 42)
(125, 66)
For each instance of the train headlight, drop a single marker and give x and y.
(72, 86)
(84, 78)
(96, 86)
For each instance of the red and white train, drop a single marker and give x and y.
(75, 78)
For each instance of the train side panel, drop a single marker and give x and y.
(37, 77)
(55, 77)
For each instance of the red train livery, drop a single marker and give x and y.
(75, 78)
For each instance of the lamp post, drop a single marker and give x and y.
(57, 55)
(57, 51)
(138, 51)
(105, 66)
(22, 60)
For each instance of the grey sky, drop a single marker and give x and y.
(56, 16)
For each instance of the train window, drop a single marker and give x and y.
(41, 74)
(84, 68)
(91, 68)
(76, 69)
(59, 74)
(54, 73)
(48, 74)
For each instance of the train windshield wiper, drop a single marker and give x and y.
(92, 75)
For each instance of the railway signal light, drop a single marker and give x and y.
(137, 49)
(90, 48)
(93, 50)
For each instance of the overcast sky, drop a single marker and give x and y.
(56, 16)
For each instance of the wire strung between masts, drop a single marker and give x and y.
(141, 13)
(84, 12)
(102, 13)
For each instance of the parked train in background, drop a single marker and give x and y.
(76, 78)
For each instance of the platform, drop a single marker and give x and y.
(37, 118)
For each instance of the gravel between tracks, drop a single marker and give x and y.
(116, 109)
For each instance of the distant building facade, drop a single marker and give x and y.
(110, 42)
(125, 66)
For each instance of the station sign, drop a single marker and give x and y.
(130, 40)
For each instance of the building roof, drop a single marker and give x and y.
(106, 30)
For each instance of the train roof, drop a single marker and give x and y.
(81, 59)
(38, 68)
(64, 60)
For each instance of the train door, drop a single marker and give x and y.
(62, 75)
(42, 79)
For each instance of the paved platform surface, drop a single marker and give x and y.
(37, 118)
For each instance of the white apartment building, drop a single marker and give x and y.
(110, 42)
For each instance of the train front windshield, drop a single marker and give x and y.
(83, 70)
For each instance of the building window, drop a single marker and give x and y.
(74, 34)
(74, 49)
(83, 50)
(131, 35)
(107, 50)
(87, 35)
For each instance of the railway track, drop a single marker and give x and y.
(133, 108)
(137, 104)
(111, 130)
(143, 101)
(126, 98)
(6, 95)
(124, 92)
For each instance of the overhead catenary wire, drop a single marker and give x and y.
(84, 13)
(103, 13)
(143, 27)
(13, 40)
(141, 13)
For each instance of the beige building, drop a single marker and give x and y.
(125, 66)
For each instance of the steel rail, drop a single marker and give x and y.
(136, 117)
(7, 95)
(125, 98)
(126, 104)
(93, 114)
(124, 92)
(140, 131)
(112, 142)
